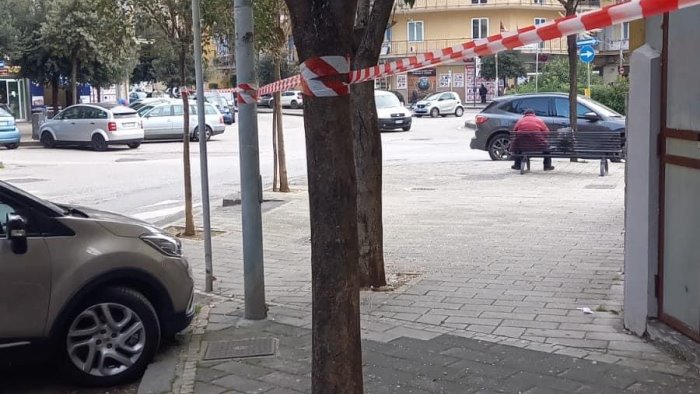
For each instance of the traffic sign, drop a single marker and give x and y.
(588, 41)
(586, 54)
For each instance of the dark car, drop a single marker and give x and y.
(493, 125)
(266, 100)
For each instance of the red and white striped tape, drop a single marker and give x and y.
(325, 76)
(573, 24)
(247, 93)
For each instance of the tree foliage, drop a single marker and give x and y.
(555, 78)
(510, 65)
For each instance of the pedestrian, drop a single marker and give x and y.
(482, 93)
(530, 136)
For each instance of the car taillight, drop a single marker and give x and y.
(112, 126)
(221, 119)
(481, 119)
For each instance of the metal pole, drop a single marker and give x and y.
(537, 68)
(201, 127)
(251, 188)
(589, 77)
(498, 84)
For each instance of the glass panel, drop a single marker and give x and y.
(539, 105)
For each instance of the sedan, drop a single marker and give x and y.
(166, 121)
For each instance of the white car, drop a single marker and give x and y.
(440, 104)
(390, 113)
(94, 125)
(292, 98)
(165, 121)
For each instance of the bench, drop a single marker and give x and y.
(603, 145)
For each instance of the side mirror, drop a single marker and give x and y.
(591, 116)
(17, 233)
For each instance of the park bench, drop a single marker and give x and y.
(603, 145)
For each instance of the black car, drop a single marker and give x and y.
(493, 125)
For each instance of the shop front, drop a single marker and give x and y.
(14, 96)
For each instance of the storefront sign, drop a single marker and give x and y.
(401, 82)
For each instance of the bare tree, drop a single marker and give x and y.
(325, 28)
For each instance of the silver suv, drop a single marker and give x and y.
(95, 289)
(165, 120)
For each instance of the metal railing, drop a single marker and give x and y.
(411, 48)
(423, 5)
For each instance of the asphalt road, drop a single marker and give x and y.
(147, 182)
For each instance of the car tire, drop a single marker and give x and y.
(115, 322)
(271, 104)
(47, 140)
(498, 147)
(294, 104)
(207, 130)
(434, 113)
(134, 145)
(459, 112)
(98, 143)
(12, 146)
(407, 128)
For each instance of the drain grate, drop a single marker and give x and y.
(253, 347)
(600, 187)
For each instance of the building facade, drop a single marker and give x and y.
(435, 24)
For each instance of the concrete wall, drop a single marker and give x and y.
(684, 63)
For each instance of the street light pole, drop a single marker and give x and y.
(537, 68)
(202, 135)
(251, 187)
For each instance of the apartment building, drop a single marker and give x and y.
(435, 24)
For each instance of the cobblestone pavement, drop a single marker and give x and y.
(487, 255)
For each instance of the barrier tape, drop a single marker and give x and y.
(247, 93)
(573, 24)
(325, 76)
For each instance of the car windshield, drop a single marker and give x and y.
(603, 110)
(22, 193)
(433, 97)
(143, 110)
(4, 113)
(387, 101)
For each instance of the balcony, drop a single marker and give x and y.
(400, 49)
(448, 5)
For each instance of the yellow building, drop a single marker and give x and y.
(436, 24)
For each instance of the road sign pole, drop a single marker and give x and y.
(251, 188)
(203, 162)
(537, 68)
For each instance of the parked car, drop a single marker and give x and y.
(166, 121)
(291, 98)
(440, 104)
(390, 113)
(9, 133)
(94, 125)
(93, 289)
(266, 100)
(226, 109)
(138, 104)
(136, 95)
(493, 125)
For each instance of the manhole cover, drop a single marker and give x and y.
(24, 180)
(254, 347)
(599, 187)
(419, 189)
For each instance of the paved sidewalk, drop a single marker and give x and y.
(484, 256)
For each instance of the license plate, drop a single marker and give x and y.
(129, 125)
(398, 121)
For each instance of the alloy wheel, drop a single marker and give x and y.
(106, 339)
(500, 148)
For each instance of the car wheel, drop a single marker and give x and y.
(134, 145)
(47, 140)
(407, 128)
(271, 104)
(294, 104)
(499, 147)
(12, 146)
(98, 143)
(434, 113)
(207, 130)
(111, 339)
(459, 112)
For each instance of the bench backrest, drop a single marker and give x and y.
(603, 141)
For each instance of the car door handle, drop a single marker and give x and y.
(92, 122)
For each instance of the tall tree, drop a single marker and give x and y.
(325, 28)
(510, 65)
(570, 6)
(272, 40)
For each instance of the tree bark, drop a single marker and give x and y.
(73, 81)
(281, 154)
(189, 216)
(324, 28)
(573, 81)
(275, 167)
(99, 94)
(369, 29)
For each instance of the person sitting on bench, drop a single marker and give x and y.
(530, 136)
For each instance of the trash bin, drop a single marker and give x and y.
(38, 118)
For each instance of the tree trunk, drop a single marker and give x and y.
(573, 81)
(275, 166)
(189, 216)
(369, 28)
(281, 154)
(324, 28)
(99, 94)
(73, 81)
(54, 95)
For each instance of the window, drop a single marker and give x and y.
(625, 31)
(177, 110)
(163, 110)
(72, 113)
(480, 28)
(5, 209)
(540, 105)
(415, 31)
(562, 107)
(479, 1)
(446, 96)
(210, 110)
(93, 113)
(539, 21)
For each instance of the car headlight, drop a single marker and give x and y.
(169, 246)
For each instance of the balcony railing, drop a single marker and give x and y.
(435, 5)
(396, 49)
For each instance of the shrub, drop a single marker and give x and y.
(613, 95)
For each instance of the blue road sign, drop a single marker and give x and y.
(588, 41)
(586, 54)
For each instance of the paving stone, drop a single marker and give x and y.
(298, 383)
(524, 381)
(411, 333)
(513, 332)
(242, 385)
(241, 368)
(206, 388)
